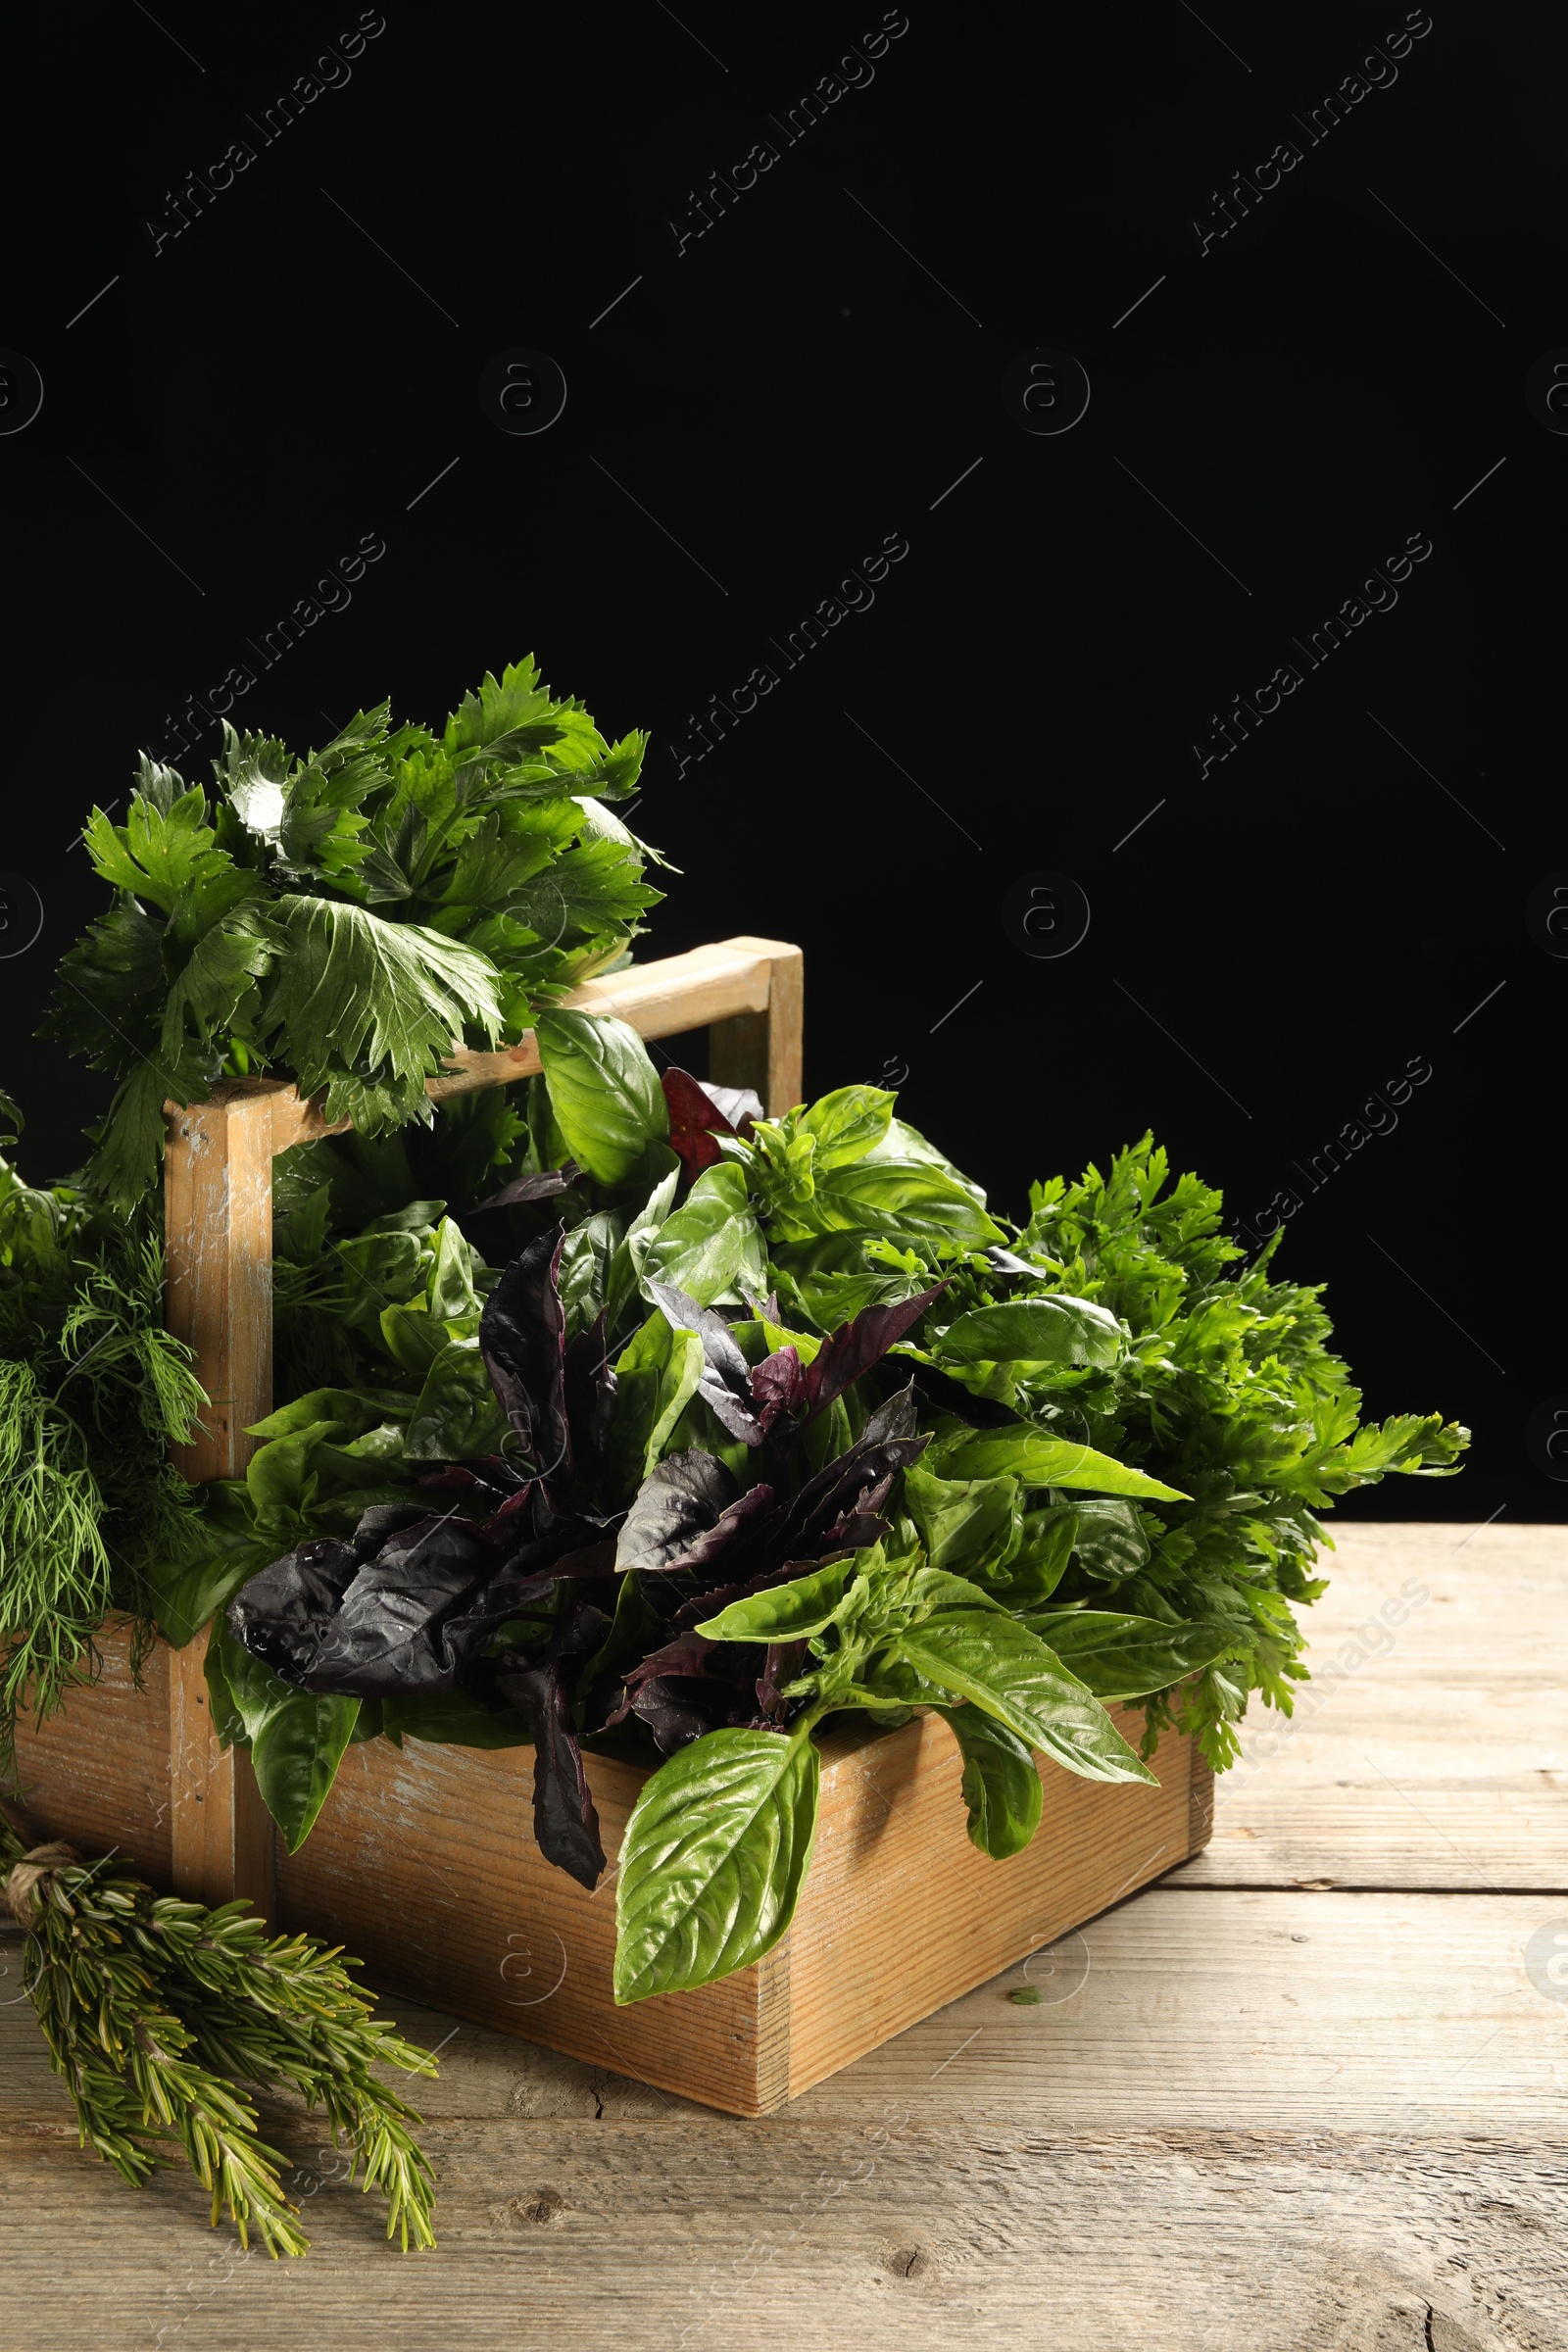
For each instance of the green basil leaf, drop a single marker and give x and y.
(185, 1595)
(415, 1217)
(656, 1379)
(1110, 1539)
(254, 1692)
(604, 1090)
(227, 1722)
(712, 1248)
(453, 1718)
(296, 1755)
(626, 1266)
(847, 1124)
(583, 1276)
(713, 1861)
(300, 1234)
(908, 1198)
(343, 1470)
(450, 1293)
(784, 1612)
(1003, 1667)
(963, 1523)
(278, 1472)
(368, 1724)
(1001, 1783)
(1038, 1460)
(1037, 1331)
(381, 1269)
(413, 1336)
(1040, 1563)
(937, 1589)
(456, 1418)
(1119, 1657)
(350, 1408)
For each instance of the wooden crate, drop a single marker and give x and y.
(422, 1861)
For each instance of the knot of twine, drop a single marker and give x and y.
(27, 1876)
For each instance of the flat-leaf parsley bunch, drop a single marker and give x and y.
(345, 918)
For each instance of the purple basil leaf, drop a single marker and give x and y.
(687, 1515)
(856, 1346)
(522, 1338)
(840, 1487)
(589, 1389)
(783, 1661)
(678, 1708)
(279, 1615)
(778, 1384)
(408, 1607)
(895, 1416)
(695, 1120)
(565, 1824)
(542, 1187)
(383, 1632)
(726, 1382)
(489, 1482)
(678, 1502)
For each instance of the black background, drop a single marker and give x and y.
(821, 368)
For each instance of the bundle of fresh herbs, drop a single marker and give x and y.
(758, 1421)
(344, 917)
(157, 2012)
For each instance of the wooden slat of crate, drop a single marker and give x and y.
(903, 1914)
(423, 1864)
(97, 1771)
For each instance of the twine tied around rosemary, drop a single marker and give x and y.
(24, 1878)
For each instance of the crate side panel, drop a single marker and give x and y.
(97, 1772)
(424, 1863)
(902, 1914)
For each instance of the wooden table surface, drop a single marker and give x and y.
(1302, 2094)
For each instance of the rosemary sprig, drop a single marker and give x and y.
(157, 2011)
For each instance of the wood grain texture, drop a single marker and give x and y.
(899, 2236)
(1431, 1747)
(424, 1863)
(106, 1785)
(218, 1219)
(902, 1913)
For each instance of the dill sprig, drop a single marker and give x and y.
(93, 1389)
(157, 2012)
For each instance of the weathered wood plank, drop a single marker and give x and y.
(1424, 1753)
(894, 2235)
(1390, 2014)
(1296, 2012)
